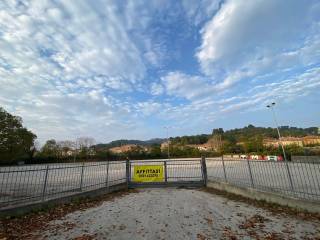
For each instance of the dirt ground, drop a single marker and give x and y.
(171, 213)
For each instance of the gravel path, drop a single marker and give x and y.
(171, 213)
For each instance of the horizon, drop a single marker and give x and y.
(123, 70)
(225, 130)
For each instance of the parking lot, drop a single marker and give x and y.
(23, 184)
(171, 213)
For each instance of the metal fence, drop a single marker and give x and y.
(299, 180)
(177, 172)
(32, 183)
(21, 185)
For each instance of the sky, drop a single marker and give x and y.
(125, 69)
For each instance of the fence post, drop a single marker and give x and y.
(45, 183)
(224, 169)
(81, 177)
(204, 170)
(107, 178)
(250, 173)
(289, 175)
(165, 172)
(128, 172)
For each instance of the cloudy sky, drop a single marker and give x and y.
(124, 69)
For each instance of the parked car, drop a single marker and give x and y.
(272, 158)
(280, 158)
(243, 156)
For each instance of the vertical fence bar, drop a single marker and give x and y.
(81, 177)
(128, 172)
(289, 175)
(165, 172)
(250, 173)
(45, 183)
(204, 170)
(224, 169)
(107, 177)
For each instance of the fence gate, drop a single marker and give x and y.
(175, 172)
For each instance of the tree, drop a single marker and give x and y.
(217, 131)
(65, 147)
(50, 149)
(16, 142)
(155, 151)
(84, 144)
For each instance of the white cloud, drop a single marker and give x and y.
(156, 89)
(148, 108)
(89, 68)
(61, 63)
(200, 11)
(187, 86)
(246, 35)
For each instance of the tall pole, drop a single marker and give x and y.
(168, 149)
(280, 141)
(75, 152)
(276, 122)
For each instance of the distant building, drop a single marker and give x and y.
(291, 141)
(164, 145)
(303, 141)
(202, 147)
(126, 148)
(123, 149)
(68, 153)
(311, 140)
(285, 141)
(91, 152)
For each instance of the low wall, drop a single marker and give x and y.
(24, 209)
(305, 205)
(231, 156)
(306, 159)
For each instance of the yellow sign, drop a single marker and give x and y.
(148, 173)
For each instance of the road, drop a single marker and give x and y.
(176, 214)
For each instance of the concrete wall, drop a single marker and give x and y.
(306, 159)
(232, 156)
(305, 205)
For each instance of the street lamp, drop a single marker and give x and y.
(271, 106)
(167, 128)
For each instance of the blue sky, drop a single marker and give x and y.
(125, 69)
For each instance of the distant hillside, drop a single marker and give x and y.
(119, 143)
(245, 133)
(233, 136)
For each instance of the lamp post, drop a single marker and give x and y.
(167, 129)
(271, 106)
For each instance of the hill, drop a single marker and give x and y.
(246, 133)
(121, 142)
(232, 136)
